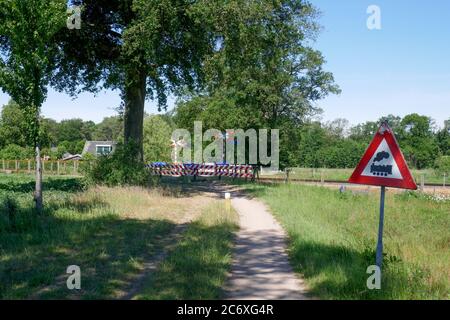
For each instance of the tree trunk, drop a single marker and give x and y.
(38, 188)
(135, 91)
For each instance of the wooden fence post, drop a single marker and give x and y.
(422, 182)
(287, 176)
(3, 164)
(445, 176)
(29, 166)
(57, 167)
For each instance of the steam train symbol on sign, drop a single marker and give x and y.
(381, 170)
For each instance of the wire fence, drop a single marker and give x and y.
(422, 177)
(52, 167)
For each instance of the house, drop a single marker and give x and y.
(67, 156)
(98, 148)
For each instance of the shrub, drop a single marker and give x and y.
(15, 152)
(117, 168)
(442, 165)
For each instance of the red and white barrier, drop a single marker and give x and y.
(202, 170)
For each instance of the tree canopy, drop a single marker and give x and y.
(28, 53)
(260, 50)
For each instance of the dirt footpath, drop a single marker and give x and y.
(261, 268)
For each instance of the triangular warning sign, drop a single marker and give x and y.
(383, 163)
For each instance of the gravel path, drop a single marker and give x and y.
(261, 268)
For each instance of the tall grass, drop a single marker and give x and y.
(333, 238)
(430, 175)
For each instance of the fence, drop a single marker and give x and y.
(53, 167)
(422, 177)
(74, 167)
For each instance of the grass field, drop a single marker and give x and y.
(198, 267)
(333, 239)
(111, 232)
(108, 232)
(430, 176)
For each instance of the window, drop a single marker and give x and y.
(103, 149)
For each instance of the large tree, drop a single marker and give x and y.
(275, 74)
(272, 80)
(27, 60)
(152, 48)
(144, 48)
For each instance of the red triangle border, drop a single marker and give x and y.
(406, 183)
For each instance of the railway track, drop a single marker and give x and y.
(335, 182)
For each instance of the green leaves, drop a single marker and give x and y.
(27, 51)
(262, 70)
(157, 136)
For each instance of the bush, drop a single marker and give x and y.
(117, 168)
(442, 165)
(15, 152)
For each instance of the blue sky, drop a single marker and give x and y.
(400, 69)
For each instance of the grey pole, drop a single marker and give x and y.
(379, 258)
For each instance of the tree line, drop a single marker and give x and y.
(335, 144)
(312, 144)
(70, 135)
(56, 138)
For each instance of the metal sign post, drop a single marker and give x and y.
(384, 165)
(379, 256)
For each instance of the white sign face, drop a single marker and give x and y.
(382, 164)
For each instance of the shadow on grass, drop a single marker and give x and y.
(50, 184)
(187, 187)
(109, 250)
(197, 268)
(338, 272)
